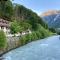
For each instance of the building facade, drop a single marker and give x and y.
(4, 25)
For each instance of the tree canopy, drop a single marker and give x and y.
(12, 11)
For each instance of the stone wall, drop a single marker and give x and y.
(12, 42)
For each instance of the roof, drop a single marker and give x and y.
(4, 23)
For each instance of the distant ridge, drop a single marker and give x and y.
(52, 17)
(50, 12)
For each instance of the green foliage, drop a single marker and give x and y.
(6, 9)
(52, 30)
(3, 40)
(25, 25)
(35, 35)
(10, 11)
(39, 35)
(44, 32)
(15, 27)
(22, 40)
(19, 26)
(26, 39)
(22, 19)
(24, 14)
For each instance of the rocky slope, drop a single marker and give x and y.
(52, 17)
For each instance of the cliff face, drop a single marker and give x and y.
(52, 17)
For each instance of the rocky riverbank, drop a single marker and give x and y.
(12, 43)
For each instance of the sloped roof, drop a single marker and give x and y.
(4, 23)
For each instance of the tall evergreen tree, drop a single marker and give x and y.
(6, 9)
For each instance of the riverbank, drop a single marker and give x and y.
(14, 42)
(45, 49)
(21, 46)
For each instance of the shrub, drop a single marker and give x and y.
(15, 27)
(52, 30)
(28, 38)
(25, 39)
(35, 35)
(3, 41)
(22, 40)
(38, 34)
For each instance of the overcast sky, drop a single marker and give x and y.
(40, 6)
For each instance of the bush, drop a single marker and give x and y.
(3, 41)
(35, 35)
(43, 32)
(22, 40)
(39, 35)
(15, 27)
(28, 38)
(52, 30)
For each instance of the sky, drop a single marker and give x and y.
(40, 6)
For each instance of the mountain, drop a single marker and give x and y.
(50, 12)
(52, 17)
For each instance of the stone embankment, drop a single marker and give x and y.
(12, 42)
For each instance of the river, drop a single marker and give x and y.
(45, 49)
